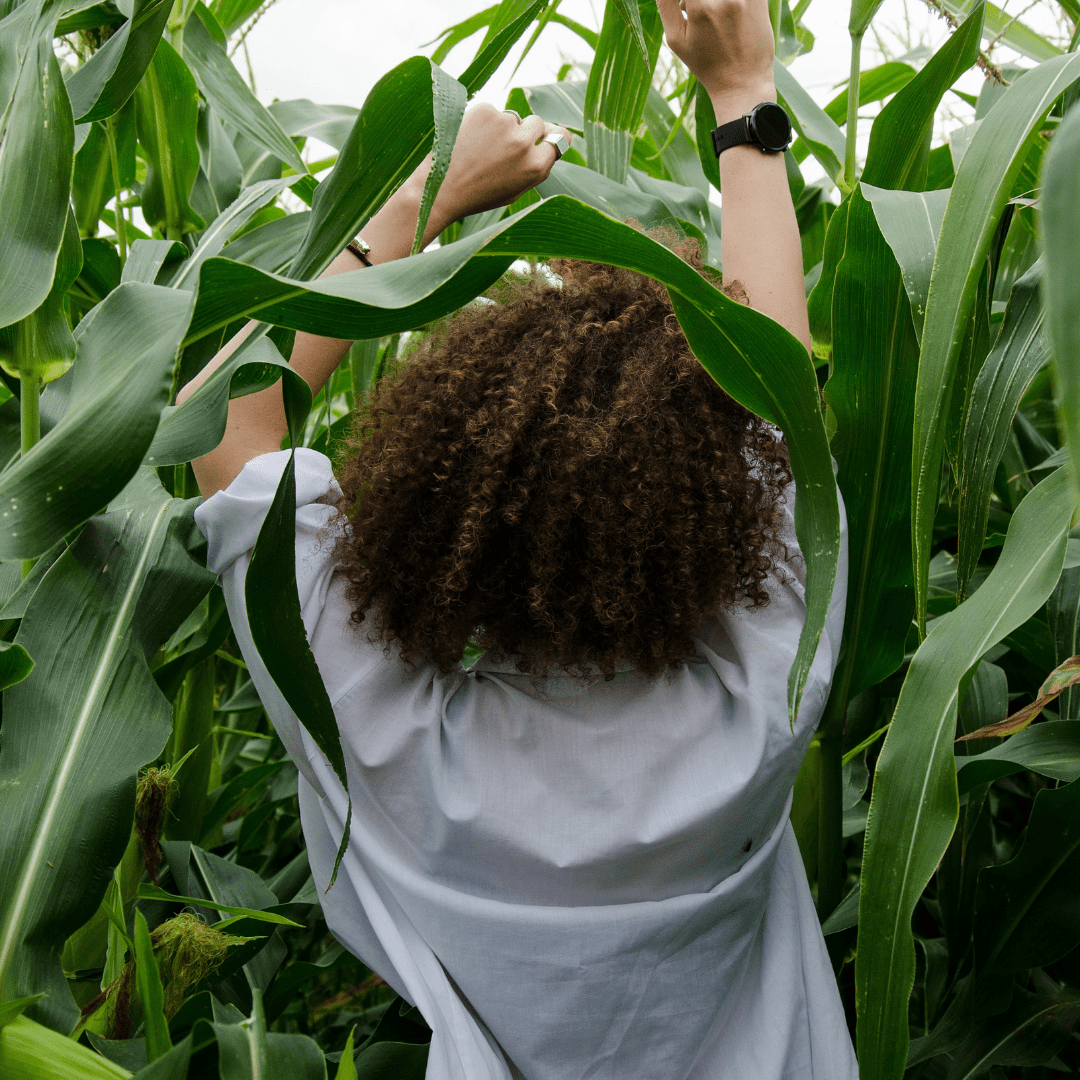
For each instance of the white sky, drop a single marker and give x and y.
(333, 51)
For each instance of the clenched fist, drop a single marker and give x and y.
(727, 44)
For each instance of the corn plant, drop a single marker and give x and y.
(157, 915)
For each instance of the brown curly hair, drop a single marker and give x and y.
(554, 477)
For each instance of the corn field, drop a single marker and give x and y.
(157, 914)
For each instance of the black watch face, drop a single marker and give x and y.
(771, 126)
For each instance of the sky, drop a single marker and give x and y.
(333, 51)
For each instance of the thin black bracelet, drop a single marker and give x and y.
(359, 252)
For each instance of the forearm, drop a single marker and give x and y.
(256, 422)
(759, 235)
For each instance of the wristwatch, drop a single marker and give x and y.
(766, 125)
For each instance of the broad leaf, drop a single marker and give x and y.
(910, 221)
(151, 992)
(35, 126)
(166, 109)
(1020, 351)
(40, 347)
(1027, 907)
(118, 385)
(76, 734)
(1061, 287)
(102, 85)
(979, 193)
(914, 806)
(618, 86)
(815, 127)
(224, 87)
(1051, 749)
(871, 393)
(900, 138)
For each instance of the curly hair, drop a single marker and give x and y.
(554, 478)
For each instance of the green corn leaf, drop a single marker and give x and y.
(151, 992)
(1009, 29)
(224, 87)
(118, 386)
(9, 1010)
(914, 806)
(277, 629)
(819, 303)
(618, 87)
(347, 1068)
(1051, 749)
(35, 126)
(861, 15)
(559, 103)
(102, 85)
(230, 221)
(678, 151)
(1033, 1029)
(910, 221)
(29, 1050)
(75, 735)
(166, 111)
(900, 138)
(459, 32)
(871, 393)
(979, 193)
(173, 1065)
(874, 84)
(395, 128)
(1063, 615)
(190, 430)
(1061, 285)
(284, 988)
(631, 15)
(448, 98)
(247, 1052)
(153, 262)
(15, 664)
(232, 14)
(153, 892)
(818, 131)
(330, 124)
(1020, 351)
(704, 122)
(509, 23)
(1025, 908)
(40, 346)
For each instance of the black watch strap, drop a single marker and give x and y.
(735, 133)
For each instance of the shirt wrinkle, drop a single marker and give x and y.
(554, 871)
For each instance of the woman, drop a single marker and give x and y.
(573, 857)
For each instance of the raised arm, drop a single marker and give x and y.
(496, 159)
(728, 45)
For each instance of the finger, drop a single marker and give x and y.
(533, 128)
(555, 129)
(556, 152)
(672, 17)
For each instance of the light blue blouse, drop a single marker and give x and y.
(571, 879)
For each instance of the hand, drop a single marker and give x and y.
(496, 159)
(727, 44)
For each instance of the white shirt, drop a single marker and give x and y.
(580, 878)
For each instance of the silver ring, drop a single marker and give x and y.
(557, 140)
(514, 113)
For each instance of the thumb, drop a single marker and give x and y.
(674, 21)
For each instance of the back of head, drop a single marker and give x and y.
(555, 476)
